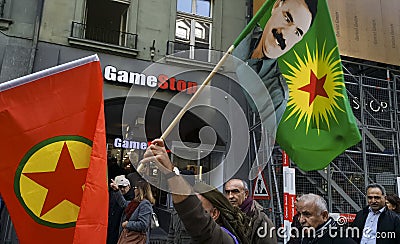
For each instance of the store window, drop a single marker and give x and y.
(193, 27)
(197, 160)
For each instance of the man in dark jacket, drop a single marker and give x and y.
(375, 223)
(317, 226)
(237, 192)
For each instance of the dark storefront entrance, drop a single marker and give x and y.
(126, 144)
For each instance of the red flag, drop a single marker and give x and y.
(53, 154)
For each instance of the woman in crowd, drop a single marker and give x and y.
(393, 203)
(138, 212)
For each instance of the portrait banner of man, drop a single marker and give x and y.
(291, 46)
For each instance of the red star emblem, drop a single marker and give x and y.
(65, 183)
(315, 88)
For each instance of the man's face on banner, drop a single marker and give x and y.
(289, 22)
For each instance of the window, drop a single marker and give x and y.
(106, 21)
(198, 7)
(193, 26)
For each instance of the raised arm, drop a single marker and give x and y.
(178, 186)
(198, 223)
(118, 195)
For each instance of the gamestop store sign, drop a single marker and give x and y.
(161, 81)
(128, 144)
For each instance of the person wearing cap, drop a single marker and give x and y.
(115, 211)
(123, 184)
(209, 217)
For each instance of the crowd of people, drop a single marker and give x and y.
(202, 214)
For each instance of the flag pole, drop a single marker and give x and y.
(249, 27)
(197, 93)
(241, 36)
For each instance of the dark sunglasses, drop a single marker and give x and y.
(120, 187)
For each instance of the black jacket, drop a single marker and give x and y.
(328, 233)
(388, 224)
(115, 213)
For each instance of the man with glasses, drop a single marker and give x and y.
(263, 230)
(375, 223)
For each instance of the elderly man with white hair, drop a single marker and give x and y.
(317, 226)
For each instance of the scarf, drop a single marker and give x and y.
(246, 206)
(130, 209)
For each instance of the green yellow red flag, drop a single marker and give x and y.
(318, 123)
(53, 154)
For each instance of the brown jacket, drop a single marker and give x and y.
(263, 230)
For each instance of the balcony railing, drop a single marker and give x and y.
(196, 52)
(103, 35)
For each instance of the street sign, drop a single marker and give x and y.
(260, 190)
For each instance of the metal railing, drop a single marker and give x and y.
(103, 35)
(199, 52)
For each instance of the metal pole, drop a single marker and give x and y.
(272, 195)
(36, 31)
(329, 180)
(277, 193)
(364, 147)
(394, 107)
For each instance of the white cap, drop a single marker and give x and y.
(121, 180)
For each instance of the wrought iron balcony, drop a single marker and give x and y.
(199, 52)
(102, 38)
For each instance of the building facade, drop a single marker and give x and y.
(150, 50)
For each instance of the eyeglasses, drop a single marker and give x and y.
(234, 191)
(121, 187)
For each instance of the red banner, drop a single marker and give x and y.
(53, 154)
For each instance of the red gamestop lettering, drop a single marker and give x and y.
(164, 82)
